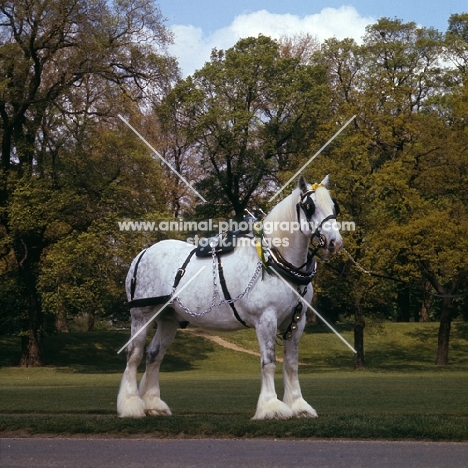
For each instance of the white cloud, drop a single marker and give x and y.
(193, 48)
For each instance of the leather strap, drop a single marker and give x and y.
(149, 301)
(157, 300)
(134, 277)
(181, 270)
(227, 296)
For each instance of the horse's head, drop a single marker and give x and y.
(316, 215)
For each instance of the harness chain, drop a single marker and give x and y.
(216, 294)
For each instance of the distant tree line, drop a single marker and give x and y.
(238, 128)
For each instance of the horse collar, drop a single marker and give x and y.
(288, 271)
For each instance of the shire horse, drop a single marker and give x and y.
(254, 296)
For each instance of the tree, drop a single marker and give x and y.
(397, 87)
(82, 272)
(245, 113)
(62, 63)
(456, 40)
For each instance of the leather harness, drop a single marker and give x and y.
(157, 300)
(151, 301)
(274, 260)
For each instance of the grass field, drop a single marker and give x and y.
(212, 390)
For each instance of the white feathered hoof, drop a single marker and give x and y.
(302, 409)
(130, 407)
(157, 407)
(273, 409)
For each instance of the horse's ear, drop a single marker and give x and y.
(302, 184)
(325, 181)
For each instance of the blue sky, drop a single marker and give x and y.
(201, 25)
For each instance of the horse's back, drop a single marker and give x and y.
(157, 268)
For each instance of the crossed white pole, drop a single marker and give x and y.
(204, 201)
(311, 159)
(313, 310)
(178, 174)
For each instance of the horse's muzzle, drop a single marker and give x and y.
(334, 246)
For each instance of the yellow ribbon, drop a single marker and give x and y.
(258, 233)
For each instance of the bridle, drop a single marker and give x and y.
(271, 257)
(308, 207)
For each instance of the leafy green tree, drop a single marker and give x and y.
(177, 150)
(387, 170)
(423, 193)
(245, 113)
(82, 273)
(456, 40)
(63, 64)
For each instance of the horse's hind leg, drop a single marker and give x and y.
(129, 403)
(149, 385)
(292, 390)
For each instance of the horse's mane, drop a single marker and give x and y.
(323, 198)
(285, 210)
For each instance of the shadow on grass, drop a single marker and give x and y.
(400, 347)
(321, 328)
(425, 336)
(415, 349)
(10, 346)
(96, 352)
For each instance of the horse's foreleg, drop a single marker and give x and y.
(129, 403)
(292, 390)
(149, 385)
(268, 406)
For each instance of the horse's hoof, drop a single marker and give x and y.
(132, 407)
(306, 414)
(157, 412)
(302, 409)
(155, 406)
(274, 409)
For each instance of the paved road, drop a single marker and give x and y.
(227, 453)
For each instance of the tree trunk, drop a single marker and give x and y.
(312, 317)
(31, 343)
(425, 304)
(424, 311)
(27, 255)
(90, 322)
(61, 324)
(31, 349)
(444, 332)
(359, 325)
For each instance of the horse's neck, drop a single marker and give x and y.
(291, 243)
(297, 249)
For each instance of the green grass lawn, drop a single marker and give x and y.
(212, 391)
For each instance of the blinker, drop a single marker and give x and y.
(336, 206)
(309, 207)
